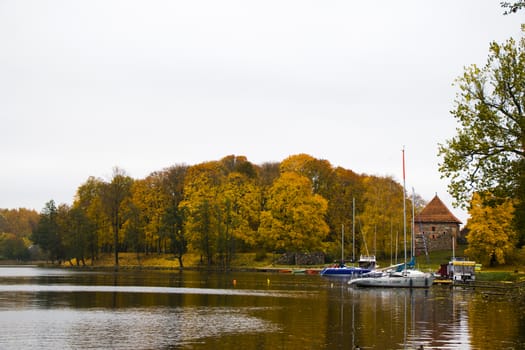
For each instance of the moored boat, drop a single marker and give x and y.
(457, 270)
(404, 276)
(403, 279)
(366, 264)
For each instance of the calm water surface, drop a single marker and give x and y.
(63, 309)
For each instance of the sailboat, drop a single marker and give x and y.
(404, 277)
(365, 265)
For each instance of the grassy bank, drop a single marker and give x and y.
(169, 261)
(251, 261)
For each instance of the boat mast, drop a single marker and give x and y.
(342, 243)
(353, 229)
(413, 222)
(404, 211)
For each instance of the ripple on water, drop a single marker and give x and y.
(65, 288)
(141, 328)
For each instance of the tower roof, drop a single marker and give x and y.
(437, 212)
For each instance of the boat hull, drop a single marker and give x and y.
(344, 271)
(423, 280)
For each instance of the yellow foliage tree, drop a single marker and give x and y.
(491, 236)
(347, 188)
(293, 219)
(150, 198)
(88, 200)
(241, 200)
(382, 218)
(319, 171)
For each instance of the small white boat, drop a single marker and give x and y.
(402, 279)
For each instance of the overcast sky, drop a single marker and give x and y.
(143, 85)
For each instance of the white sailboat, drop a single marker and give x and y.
(406, 277)
(365, 265)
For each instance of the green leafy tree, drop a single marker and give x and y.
(47, 233)
(487, 155)
(80, 230)
(512, 7)
(491, 235)
(73, 226)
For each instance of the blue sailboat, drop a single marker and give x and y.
(366, 264)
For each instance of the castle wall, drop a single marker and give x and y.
(437, 236)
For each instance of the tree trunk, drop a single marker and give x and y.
(115, 238)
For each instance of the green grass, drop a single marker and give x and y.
(498, 276)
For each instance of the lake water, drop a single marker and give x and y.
(64, 309)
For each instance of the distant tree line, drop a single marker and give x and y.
(16, 226)
(219, 208)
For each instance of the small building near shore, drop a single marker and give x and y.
(435, 228)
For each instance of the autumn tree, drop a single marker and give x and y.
(173, 218)
(113, 196)
(340, 187)
(19, 222)
(267, 173)
(200, 204)
(13, 247)
(149, 201)
(16, 226)
(487, 156)
(133, 226)
(88, 200)
(491, 234)
(155, 214)
(381, 220)
(344, 199)
(239, 205)
(293, 218)
(239, 164)
(318, 171)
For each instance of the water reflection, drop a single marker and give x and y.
(50, 309)
(150, 328)
(409, 318)
(64, 288)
